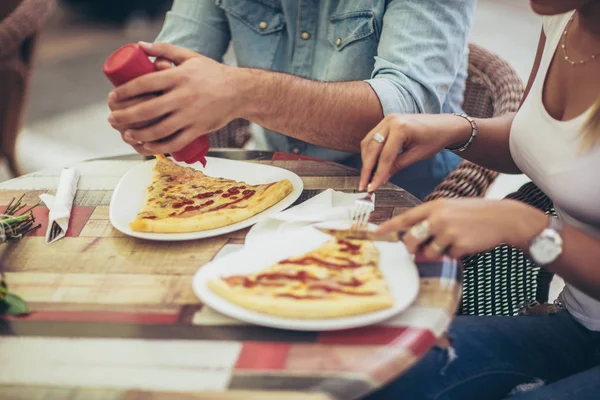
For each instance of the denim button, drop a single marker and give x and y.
(296, 150)
(305, 35)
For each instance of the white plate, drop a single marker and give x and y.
(396, 265)
(130, 192)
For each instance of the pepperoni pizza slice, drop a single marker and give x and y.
(183, 199)
(339, 279)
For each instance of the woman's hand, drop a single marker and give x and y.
(406, 140)
(195, 98)
(460, 227)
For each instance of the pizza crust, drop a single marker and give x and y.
(340, 306)
(215, 219)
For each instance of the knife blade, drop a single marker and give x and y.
(364, 235)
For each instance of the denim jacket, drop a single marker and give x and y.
(412, 52)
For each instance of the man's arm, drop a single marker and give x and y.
(335, 115)
(421, 49)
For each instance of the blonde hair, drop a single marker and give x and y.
(590, 134)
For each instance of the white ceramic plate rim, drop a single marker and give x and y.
(397, 267)
(129, 193)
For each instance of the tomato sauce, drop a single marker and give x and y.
(311, 260)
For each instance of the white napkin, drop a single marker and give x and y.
(60, 205)
(329, 205)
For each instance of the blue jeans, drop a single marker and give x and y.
(534, 357)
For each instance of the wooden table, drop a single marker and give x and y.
(115, 317)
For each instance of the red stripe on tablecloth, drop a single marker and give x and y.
(263, 356)
(416, 339)
(80, 215)
(101, 316)
(277, 156)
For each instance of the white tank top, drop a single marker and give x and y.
(547, 150)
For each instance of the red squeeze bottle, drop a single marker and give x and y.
(129, 62)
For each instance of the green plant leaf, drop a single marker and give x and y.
(13, 305)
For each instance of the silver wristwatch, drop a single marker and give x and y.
(546, 247)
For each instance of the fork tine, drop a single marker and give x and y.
(361, 212)
(365, 217)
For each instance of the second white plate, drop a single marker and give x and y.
(396, 265)
(130, 192)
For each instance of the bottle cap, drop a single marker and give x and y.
(127, 63)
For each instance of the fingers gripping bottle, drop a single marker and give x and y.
(129, 62)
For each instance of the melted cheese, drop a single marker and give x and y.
(178, 191)
(321, 273)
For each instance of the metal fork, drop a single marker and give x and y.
(362, 210)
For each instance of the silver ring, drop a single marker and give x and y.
(379, 138)
(421, 231)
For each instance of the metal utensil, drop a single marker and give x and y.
(362, 210)
(352, 234)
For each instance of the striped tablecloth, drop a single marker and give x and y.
(115, 317)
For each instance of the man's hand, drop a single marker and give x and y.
(114, 104)
(195, 98)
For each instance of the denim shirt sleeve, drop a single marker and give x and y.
(197, 25)
(422, 46)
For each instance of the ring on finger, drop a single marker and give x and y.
(379, 138)
(422, 230)
(140, 142)
(436, 247)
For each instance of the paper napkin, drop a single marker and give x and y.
(60, 205)
(329, 205)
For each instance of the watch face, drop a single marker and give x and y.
(546, 248)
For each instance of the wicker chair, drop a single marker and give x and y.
(497, 282)
(20, 20)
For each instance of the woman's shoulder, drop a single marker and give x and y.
(555, 24)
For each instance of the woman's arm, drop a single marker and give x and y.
(578, 263)
(491, 148)
(410, 138)
(460, 227)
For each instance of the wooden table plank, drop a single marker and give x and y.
(101, 212)
(126, 289)
(100, 228)
(31, 196)
(99, 255)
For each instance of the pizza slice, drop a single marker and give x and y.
(339, 279)
(183, 199)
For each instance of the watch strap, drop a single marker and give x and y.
(556, 224)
